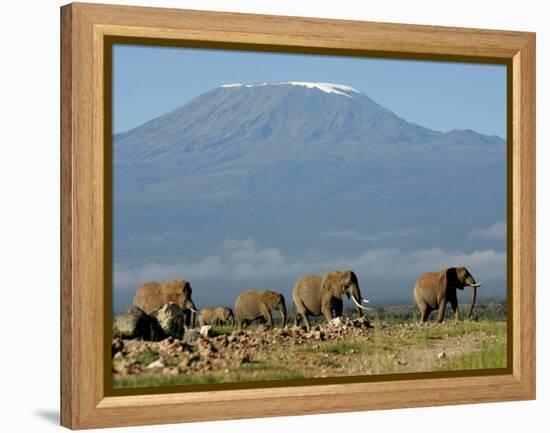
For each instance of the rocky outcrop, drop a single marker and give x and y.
(136, 324)
(171, 319)
(204, 350)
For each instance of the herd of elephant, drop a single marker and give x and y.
(312, 295)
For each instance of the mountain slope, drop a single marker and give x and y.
(284, 120)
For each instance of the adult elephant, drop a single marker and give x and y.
(216, 316)
(152, 295)
(252, 305)
(433, 290)
(314, 295)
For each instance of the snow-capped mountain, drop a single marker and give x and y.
(286, 163)
(282, 119)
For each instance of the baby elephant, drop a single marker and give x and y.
(252, 305)
(216, 316)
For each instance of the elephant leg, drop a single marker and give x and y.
(306, 321)
(338, 307)
(327, 312)
(442, 306)
(186, 319)
(425, 311)
(266, 313)
(301, 312)
(456, 308)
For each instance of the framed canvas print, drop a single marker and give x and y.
(269, 216)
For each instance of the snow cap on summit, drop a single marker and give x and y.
(339, 89)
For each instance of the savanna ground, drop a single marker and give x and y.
(394, 343)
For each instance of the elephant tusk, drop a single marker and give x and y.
(194, 311)
(475, 285)
(365, 301)
(358, 304)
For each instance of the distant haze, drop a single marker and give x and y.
(251, 185)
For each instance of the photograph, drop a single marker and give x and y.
(293, 216)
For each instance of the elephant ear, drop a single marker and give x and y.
(449, 278)
(347, 278)
(350, 277)
(332, 284)
(461, 275)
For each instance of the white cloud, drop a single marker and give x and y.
(496, 232)
(245, 262)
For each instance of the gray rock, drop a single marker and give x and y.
(206, 331)
(159, 363)
(171, 320)
(336, 322)
(119, 357)
(136, 324)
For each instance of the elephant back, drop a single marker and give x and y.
(271, 298)
(147, 296)
(307, 292)
(176, 291)
(247, 305)
(307, 284)
(152, 295)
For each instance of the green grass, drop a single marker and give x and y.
(494, 356)
(324, 362)
(173, 362)
(147, 356)
(344, 348)
(432, 331)
(222, 329)
(377, 344)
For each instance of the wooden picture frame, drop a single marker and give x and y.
(84, 29)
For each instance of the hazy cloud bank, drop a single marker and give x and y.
(244, 261)
(495, 232)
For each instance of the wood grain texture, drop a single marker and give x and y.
(67, 394)
(307, 32)
(524, 216)
(84, 27)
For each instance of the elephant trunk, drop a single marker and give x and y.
(356, 298)
(283, 312)
(474, 295)
(189, 305)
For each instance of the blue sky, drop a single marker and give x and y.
(151, 81)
